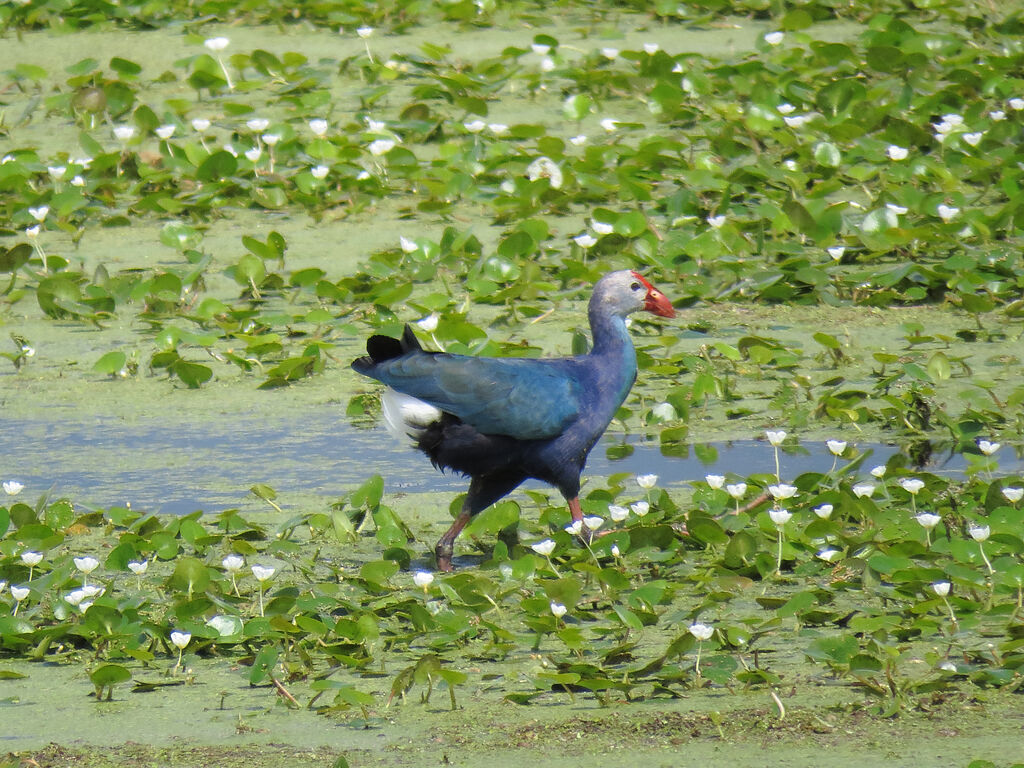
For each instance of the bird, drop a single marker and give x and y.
(501, 421)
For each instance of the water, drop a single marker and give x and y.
(177, 466)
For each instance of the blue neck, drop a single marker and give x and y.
(613, 344)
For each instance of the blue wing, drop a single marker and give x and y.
(521, 398)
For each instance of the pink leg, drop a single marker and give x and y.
(446, 544)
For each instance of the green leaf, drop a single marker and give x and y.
(107, 676)
(111, 363)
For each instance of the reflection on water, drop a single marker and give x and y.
(177, 466)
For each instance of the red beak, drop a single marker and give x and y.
(658, 304)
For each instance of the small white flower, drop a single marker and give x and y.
(375, 126)
(575, 527)
(947, 212)
(545, 168)
(408, 245)
(973, 138)
(651, 48)
(715, 481)
(610, 124)
(364, 32)
(430, 322)
(540, 49)
(610, 53)
(836, 252)
(475, 126)
(558, 609)
(423, 579)
(1013, 495)
(829, 554)
(791, 165)
(701, 631)
(32, 232)
(585, 241)
(263, 572)
(30, 558)
(782, 491)
(91, 590)
(363, 175)
(617, 513)
(13, 487)
(216, 43)
(547, 64)
(180, 639)
(19, 593)
(878, 471)
(124, 132)
(785, 108)
(270, 139)
(86, 564)
(736, 490)
(498, 129)
(646, 481)
(579, 140)
(797, 121)
(780, 516)
(897, 153)
(911, 485)
(165, 131)
(860, 490)
(200, 124)
(319, 171)
(233, 563)
(836, 447)
(988, 448)
(257, 124)
(640, 508)
(56, 171)
(138, 567)
(1016, 103)
(615, 550)
(774, 38)
(824, 511)
(716, 222)
(544, 548)
(381, 146)
(253, 155)
(318, 126)
(953, 119)
(75, 597)
(947, 666)
(979, 532)
(941, 588)
(664, 412)
(927, 520)
(230, 150)
(77, 181)
(997, 115)
(593, 522)
(899, 210)
(601, 227)
(775, 436)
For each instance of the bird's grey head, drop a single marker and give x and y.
(624, 292)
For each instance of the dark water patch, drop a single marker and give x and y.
(176, 465)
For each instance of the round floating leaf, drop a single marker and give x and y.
(111, 363)
(12, 259)
(190, 575)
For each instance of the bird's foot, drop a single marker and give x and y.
(443, 555)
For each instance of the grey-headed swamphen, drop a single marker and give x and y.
(503, 420)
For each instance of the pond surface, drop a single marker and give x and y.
(178, 465)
